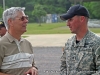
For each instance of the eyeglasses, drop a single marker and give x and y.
(23, 18)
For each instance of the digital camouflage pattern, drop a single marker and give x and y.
(81, 58)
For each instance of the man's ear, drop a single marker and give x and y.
(10, 21)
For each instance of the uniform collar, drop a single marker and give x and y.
(82, 42)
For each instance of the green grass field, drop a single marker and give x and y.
(51, 28)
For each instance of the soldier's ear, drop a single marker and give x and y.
(82, 18)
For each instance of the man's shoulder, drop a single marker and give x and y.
(3, 39)
(92, 39)
(26, 41)
(93, 36)
(72, 38)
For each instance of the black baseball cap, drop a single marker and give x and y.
(2, 24)
(75, 10)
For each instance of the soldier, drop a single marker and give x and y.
(81, 54)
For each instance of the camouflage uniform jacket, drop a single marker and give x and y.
(81, 58)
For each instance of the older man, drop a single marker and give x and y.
(16, 53)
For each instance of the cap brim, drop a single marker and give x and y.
(2, 26)
(66, 16)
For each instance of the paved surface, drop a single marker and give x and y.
(47, 60)
(48, 51)
(48, 40)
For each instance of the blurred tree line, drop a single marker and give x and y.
(37, 8)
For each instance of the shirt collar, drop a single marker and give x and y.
(11, 38)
